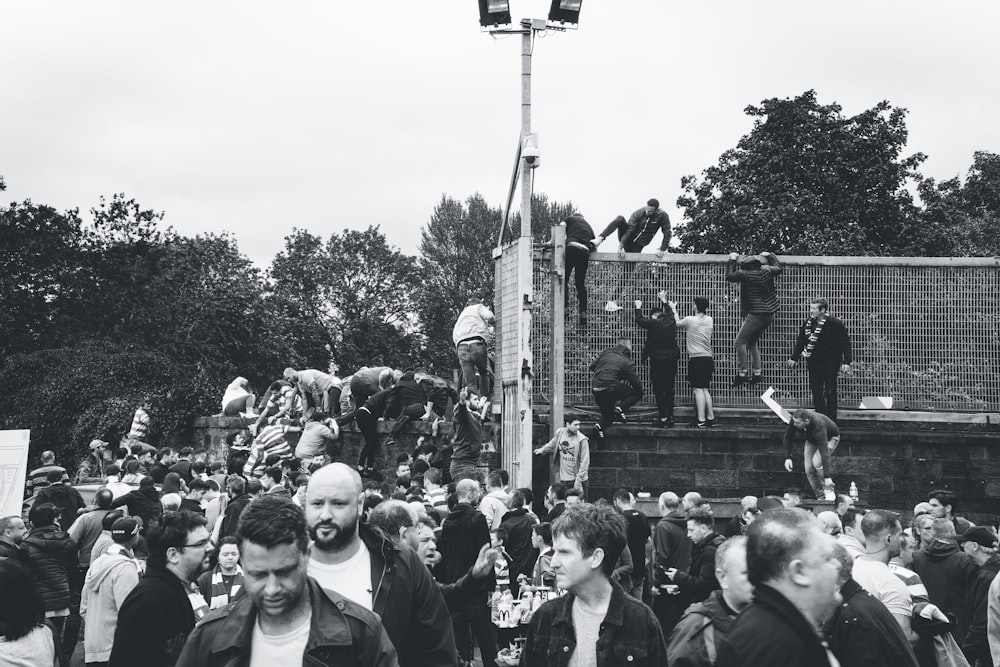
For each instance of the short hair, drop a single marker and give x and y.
(164, 452)
(402, 458)
(516, 500)
(944, 529)
(669, 500)
(54, 476)
(110, 518)
(593, 527)
(198, 467)
(213, 467)
(186, 451)
(254, 487)
(136, 449)
(944, 497)
(391, 516)
(231, 438)
(371, 502)
(103, 498)
(843, 498)
(427, 520)
(845, 560)
(850, 517)
(574, 492)
(171, 533)
(748, 503)
(877, 522)
(803, 413)
(529, 496)
(654, 202)
(494, 480)
(823, 304)
(274, 473)
(42, 514)
(701, 304)
(559, 491)
(212, 485)
(723, 550)
(272, 520)
(229, 539)
(48, 456)
(794, 491)
(775, 539)
(201, 451)
(504, 476)
(693, 498)
(236, 484)
(702, 516)
(197, 485)
(5, 523)
(425, 448)
(433, 475)
(622, 495)
(171, 502)
(544, 531)
(21, 609)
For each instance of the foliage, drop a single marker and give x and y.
(356, 290)
(964, 220)
(808, 180)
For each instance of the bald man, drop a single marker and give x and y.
(389, 579)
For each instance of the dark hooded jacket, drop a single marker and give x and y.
(661, 336)
(974, 618)
(67, 501)
(14, 553)
(51, 552)
(671, 546)
(700, 580)
(405, 393)
(612, 367)
(463, 534)
(518, 524)
(144, 503)
(154, 621)
(947, 573)
(863, 632)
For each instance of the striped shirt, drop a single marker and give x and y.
(699, 334)
(39, 479)
(271, 440)
(140, 425)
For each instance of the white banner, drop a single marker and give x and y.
(13, 470)
(775, 406)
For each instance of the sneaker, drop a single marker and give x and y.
(756, 378)
(620, 416)
(612, 307)
(710, 422)
(665, 422)
(740, 380)
(598, 434)
(828, 492)
(701, 425)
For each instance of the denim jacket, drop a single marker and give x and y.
(629, 635)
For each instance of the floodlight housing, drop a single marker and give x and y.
(494, 13)
(565, 13)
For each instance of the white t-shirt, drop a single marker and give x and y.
(879, 580)
(352, 578)
(285, 649)
(699, 334)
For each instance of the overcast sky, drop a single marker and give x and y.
(255, 118)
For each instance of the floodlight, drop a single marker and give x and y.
(565, 12)
(494, 13)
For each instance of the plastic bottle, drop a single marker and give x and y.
(536, 602)
(853, 492)
(495, 606)
(506, 610)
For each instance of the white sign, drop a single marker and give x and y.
(775, 406)
(13, 470)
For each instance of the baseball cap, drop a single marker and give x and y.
(95, 444)
(124, 529)
(981, 535)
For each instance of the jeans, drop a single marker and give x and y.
(476, 615)
(368, 425)
(816, 461)
(754, 326)
(663, 372)
(462, 470)
(71, 630)
(823, 383)
(607, 398)
(577, 259)
(473, 358)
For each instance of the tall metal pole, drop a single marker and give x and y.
(524, 272)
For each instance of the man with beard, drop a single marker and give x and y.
(159, 613)
(363, 566)
(285, 614)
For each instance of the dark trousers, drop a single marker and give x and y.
(412, 412)
(577, 260)
(823, 383)
(477, 617)
(623, 394)
(662, 373)
(368, 425)
(71, 630)
(473, 357)
(747, 353)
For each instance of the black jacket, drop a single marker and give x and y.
(51, 553)
(231, 519)
(700, 580)
(145, 503)
(519, 524)
(578, 230)
(693, 643)
(629, 634)
(661, 336)
(612, 367)
(863, 632)
(341, 632)
(976, 646)
(772, 632)
(463, 534)
(833, 345)
(67, 501)
(153, 622)
(671, 546)
(15, 553)
(468, 434)
(947, 573)
(405, 393)
(411, 606)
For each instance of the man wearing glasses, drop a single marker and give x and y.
(159, 613)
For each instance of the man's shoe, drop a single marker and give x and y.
(740, 380)
(620, 416)
(701, 425)
(710, 422)
(665, 422)
(612, 307)
(756, 378)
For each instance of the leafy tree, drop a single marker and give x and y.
(807, 180)
(965, 219)
(355, 288)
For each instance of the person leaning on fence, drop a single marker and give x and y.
(701, 363)
(826, 347)
(662, 351)
(758, 304)
(579, 245)
(615, 386)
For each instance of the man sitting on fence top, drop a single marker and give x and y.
(635, 234)
(615, 386)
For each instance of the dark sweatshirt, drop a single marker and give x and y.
(833, 345)
(468, 434)
(758, 294)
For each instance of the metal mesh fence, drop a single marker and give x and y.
(924, 331)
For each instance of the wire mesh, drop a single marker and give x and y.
(924, 331)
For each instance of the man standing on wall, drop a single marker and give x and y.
(572, 450)
(826, 346)
(469, 335)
